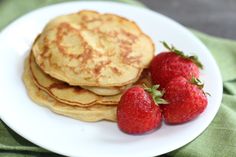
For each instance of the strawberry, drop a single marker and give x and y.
(138, 112)
(186, 100)
(168, 65)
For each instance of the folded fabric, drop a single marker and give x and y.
(218, 140)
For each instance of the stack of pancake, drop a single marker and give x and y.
(81, 63)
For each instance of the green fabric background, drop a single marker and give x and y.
(218, 140)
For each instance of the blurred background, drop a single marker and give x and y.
(215, 17)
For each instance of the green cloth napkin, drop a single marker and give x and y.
(218, 140)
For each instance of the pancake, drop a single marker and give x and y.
(63, 92)
(145, 78)
(74, 95)
(90, 114)
(93, 113)
(107, 91)
(93, 49)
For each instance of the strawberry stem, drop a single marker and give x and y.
(156, 94)
(194, 59)
(199, 83)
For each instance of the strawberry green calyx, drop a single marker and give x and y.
(156, 94)
(197, 82)
(194, 59)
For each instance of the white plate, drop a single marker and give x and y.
(75, 138)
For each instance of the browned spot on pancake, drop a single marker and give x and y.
(102, 64)
(125, 51)
(97, 69)
(45, 50)
(96, 30)
(112, 33)
(62, 30)
(60, 85)
(129, 35)
(78, 90)
(55, 65)
(84, 18)
(133, 59)
(87, 55)
(44, 53)
(109, 19)
(107, 62)
(93, 20)
(116, 70)
(125, 48)
(82, 25)
(125, 42)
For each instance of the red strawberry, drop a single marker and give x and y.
(186, 100)
(168, 65)
(137, 111)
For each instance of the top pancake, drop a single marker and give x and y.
(93, 49)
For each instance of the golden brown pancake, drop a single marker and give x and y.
(93, 49)
(63, 92)
(74, 95)
(91, 114)
(106, 91)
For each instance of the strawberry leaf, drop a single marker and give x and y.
(166, 45)
(200, 84)
(197, 82)
(194, 59)
(156, 94)
(161, 101)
